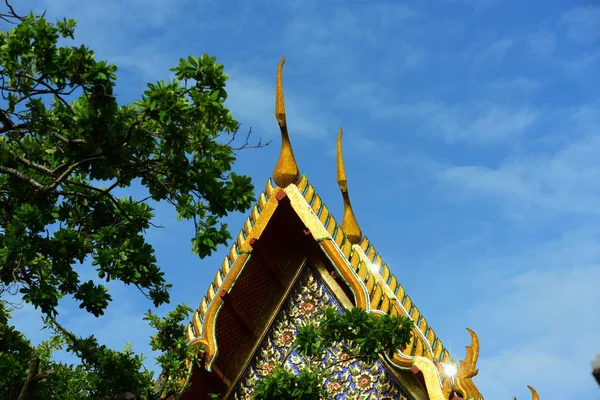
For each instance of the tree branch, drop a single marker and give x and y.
(29, 385)
(43, 375)
(72, 167)
(47, 188)
(7, 124)
(18, 174)
(54, 91)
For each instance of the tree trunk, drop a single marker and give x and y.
(33, 377)
(27, 389)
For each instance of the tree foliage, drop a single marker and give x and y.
(67, 147)
(363, 337)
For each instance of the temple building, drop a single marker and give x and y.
(291, 260)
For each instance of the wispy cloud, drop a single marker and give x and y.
(495, 52)
(542, 42)
(253, 102)
(566, 180)
(582, 24)
(541, 308)
(467, 123)
(509, 87)
(328, 36)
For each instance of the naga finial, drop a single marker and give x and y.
(467, 366)
(349, 223)
(463, 383)
(286, 170)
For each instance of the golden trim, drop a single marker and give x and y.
(431, 377)
(361, 296)
(210, 320)
(286, 170)
(204, 319)
(349, 224)
(332, 285)
(381, 290)
(428, 369)
(305, 212)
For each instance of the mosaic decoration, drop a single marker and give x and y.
(349, 379)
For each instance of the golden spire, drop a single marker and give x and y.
(286, 171)
(349, 223)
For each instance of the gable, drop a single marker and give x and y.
(286, 227)
(306, 302)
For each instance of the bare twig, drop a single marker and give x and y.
(12, 10)
(54, 91)
(246, 144)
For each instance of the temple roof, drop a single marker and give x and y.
(382, 291)
(373, 285)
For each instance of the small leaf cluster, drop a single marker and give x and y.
(365, 335)
(286, 385)
(175, 351)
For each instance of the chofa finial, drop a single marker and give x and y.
(467, 369)
(286, 170)
(349, 223)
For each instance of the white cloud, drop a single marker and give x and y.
(567, 180)
(478, 5)
(581, 65)
(542, 43)
(331, 36)
(137, 14)
(546, 326)
(253, 102)
(516, 86)
(470, 123)
(495, 52)
(582, 24)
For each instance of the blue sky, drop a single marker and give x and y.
(471, 142)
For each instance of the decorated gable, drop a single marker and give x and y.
(348, 379)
